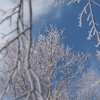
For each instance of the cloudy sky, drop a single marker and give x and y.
(63, 16)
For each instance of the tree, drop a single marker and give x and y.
(90, 88)
(54, 64)
(21, 31)
(43, 70)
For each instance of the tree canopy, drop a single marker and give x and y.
(45, 69)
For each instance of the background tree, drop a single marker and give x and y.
(54, 64)
(89, 88)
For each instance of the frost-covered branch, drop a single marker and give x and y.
(13, 63)
(13, 39)
(91, 87)
(50, 65)
(63, 1)
(91, 17)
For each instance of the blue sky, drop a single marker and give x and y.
(66, 16)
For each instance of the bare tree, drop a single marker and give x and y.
(22, 31)
(54, 65)
(90, 87)
(36, 71)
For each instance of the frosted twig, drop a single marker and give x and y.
(93, 30)
(10, 77)
(73, 1)
(95, 3)
(13, 39)
(8, 17)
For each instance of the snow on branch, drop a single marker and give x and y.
(91, 17)
(48, 58)
(73, 1)
(63, 1)
(8, 42)
(14, 65)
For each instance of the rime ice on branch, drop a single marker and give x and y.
(91, 17)
(12, 63)
(51, 64)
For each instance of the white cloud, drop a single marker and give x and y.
(5, 27)
(39, 9)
